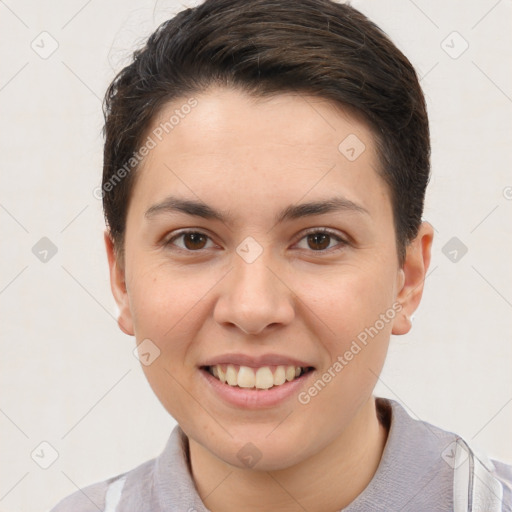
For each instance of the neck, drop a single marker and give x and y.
(328, 481)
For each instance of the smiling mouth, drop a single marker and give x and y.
(264, 377)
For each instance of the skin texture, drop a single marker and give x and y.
(253, 158)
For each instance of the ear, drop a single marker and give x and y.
(118, 286)
(412, 278)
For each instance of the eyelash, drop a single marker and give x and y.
(316, 231)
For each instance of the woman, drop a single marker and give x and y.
(265, 168)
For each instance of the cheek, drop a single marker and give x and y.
(161, 298)
(355, 338)
(351, 306)
(350, 300)
(166, 308)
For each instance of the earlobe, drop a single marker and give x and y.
(118, 286)
(412, 281)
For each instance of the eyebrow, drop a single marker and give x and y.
(173, 204)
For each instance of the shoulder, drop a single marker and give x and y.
(503, 473)
(465, 477)
(105, 495)
(150, 486)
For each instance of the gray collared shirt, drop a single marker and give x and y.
(423, 469)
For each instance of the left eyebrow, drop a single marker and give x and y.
(333, 204)
(173, 204)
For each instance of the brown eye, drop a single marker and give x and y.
(320, 240)
(192, 241)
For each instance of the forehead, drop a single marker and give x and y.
(231, 116)
(231, 147)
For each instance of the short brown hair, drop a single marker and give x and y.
(266, 47)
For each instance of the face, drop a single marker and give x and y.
(250, 277)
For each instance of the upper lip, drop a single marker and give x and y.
(255, 361)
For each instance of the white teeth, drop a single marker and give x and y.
(245, 377)
(262, 378)
(231, 375)
(279, 376)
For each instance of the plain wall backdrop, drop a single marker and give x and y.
(68, 374)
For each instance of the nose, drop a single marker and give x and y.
(254, 297)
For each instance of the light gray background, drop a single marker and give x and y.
(69, 376)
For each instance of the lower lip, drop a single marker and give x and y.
(255, 398)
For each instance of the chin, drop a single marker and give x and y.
(261, 452)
